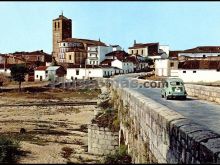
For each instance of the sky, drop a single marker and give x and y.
(27, 26)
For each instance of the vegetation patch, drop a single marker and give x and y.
(9, 150)
(107, 119)
(119, 157)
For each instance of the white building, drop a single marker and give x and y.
(201, 51)
(96, 54)
(198, 75)
(164, 67)
(198, 71)
(90, 72)
(151, 50)
(126, 66)
(5, 69)
(40, 73)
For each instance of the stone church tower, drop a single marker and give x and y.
(62, 29)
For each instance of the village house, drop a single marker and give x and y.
(40, 73)
(125, 65)
(90, 71)
(199, 71)
(74, 50)
(151, 50)
(5, 69)
(166, 67)
(55, 73)
(96, 54)
(201, 51)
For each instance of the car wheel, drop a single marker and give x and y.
(166, 97)
(184, 97)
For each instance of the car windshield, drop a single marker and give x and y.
(174, 83)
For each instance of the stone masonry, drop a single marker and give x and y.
(156, 134)
(204, 92)
(101, 140)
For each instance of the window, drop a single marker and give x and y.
(55, 25)
(5, 69)
(37, 76)
(142, 51)
(69, 57)
(218, 70)
(219, 55)
(171, 64)
(77, 72)
(93, 62)
(132, 51)
(46, 71)
(58, 25)
(204, 56)
(137, 52)
(184, 71)
(194, 71)
(64, 44)
(90, 62)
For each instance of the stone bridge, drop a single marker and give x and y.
(161, 131)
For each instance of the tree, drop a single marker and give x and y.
(18, 73)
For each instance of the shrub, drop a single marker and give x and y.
(119, 157)
(9, 150)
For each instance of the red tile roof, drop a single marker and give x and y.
(61, 17)
(174, 53)
(87, 41)
(199, 64)
(119, 54)
(41, 68)
(107, 62)
(140, 45)
(203, 49)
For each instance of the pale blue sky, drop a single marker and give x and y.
(27, 26)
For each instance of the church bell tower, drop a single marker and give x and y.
(62, 29)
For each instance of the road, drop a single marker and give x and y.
(200, 111)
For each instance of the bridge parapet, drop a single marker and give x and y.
(157, 134)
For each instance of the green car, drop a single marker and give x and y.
(173, 88)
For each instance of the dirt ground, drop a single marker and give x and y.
(53, 134)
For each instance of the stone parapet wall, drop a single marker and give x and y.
(157, 134)
(101, 140)
(204, 92)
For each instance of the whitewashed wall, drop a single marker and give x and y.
(161, 67)
(89, 73)
(201, 75)
(198, 54)
(38, 73)
(7, 71)
(127, 67)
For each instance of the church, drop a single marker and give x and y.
(68, 50)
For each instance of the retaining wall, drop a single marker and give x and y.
(101, 140)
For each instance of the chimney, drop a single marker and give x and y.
(134, 42)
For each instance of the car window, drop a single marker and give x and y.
(174, 83)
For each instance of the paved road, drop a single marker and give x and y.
(201, 111)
